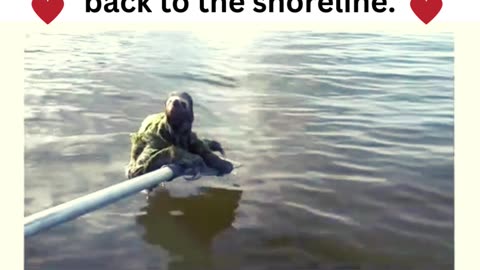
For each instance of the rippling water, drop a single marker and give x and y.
(346, 142)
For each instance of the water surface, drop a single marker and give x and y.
(346, 141)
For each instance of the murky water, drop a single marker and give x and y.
(346, 142)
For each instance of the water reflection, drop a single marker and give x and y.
(187, 227)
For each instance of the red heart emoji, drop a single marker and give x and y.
(47, 10)
(426, 10)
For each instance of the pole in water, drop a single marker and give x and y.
(65, 212)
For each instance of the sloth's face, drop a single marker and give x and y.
(178, 110)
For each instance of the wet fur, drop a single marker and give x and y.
(167, 138)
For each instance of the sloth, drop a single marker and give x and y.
(167, 138)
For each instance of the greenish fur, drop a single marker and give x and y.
(153, 145)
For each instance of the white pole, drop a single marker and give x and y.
(65, 212)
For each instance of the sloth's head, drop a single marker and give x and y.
(179, 111)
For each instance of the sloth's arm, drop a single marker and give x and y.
(138, 145)
(150, 159)
(138, 139)
(198, 147)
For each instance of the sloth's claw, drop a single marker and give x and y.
(192, 174)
